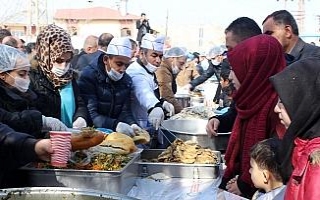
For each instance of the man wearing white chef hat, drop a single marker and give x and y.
(147, 105)
(105, 86)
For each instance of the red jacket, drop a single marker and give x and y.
(305, 178)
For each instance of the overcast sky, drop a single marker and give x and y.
(203, 11)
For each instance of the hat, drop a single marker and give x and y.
(215, 51)
(12, 58)
(120, 47)
(150, 41)
(175, 52)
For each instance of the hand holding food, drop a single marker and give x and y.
(125, 128)
(168, 107)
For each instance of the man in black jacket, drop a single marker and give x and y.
(143, 27)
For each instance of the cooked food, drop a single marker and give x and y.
(98, 161)
(141, 137)
(88, 137)
(117, 143)
(188, 152)
(196, 112)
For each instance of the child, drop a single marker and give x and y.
(227, 88)
(265, 171)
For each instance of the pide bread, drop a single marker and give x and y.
(141, 137)
(117, 143)
(88, 137)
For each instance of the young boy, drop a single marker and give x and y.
(265, 171)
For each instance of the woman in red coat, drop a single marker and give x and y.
(299, 110)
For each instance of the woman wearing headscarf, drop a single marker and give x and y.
(298, 87)
(252, 61)
(16, 97)
(54, 81)
(106, 88)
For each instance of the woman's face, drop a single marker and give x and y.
(233, 78)
(283, 114)
(63, 60)
(8, 77)
(117, 63)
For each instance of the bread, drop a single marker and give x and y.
(117, 143)
(88, 137)
(141, 137)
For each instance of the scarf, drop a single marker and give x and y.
(253, 61)
(298, 87)
(52, 42)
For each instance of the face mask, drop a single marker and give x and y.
(175, 69)
(21, 84)
(113, 74)
(150, 67)
(60, 72)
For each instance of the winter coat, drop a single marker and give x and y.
(12, 100)
(108, 101)
(49, 100)
(144, 95)
(16, 150)
(167, 85)
(303, 183)
(187, 74)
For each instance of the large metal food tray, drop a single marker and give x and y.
(58, 193)
(107, 181)
(176, 170)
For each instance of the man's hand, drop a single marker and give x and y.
(212, 127)
(156, 117)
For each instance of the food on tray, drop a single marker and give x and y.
(88, 137)
(96, 161)
(196, 93)
(141, 137)
(188, 152)
(196, 112)
(117, 143)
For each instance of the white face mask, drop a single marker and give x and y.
(60, 72)
(150, 67)
(21, 84)
(114, 75)
(175, 69)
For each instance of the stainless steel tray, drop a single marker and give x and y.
(107, 181)
(176, 170)
(57, 193)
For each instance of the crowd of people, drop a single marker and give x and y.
(269, 79)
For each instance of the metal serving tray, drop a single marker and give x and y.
(58, 193)
(107, 181)
(176, 170)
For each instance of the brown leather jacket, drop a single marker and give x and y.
(167, 85)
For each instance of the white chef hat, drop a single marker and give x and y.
(120, 47)
(12, 58)
(150, 41)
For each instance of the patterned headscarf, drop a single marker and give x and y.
(51, 43)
